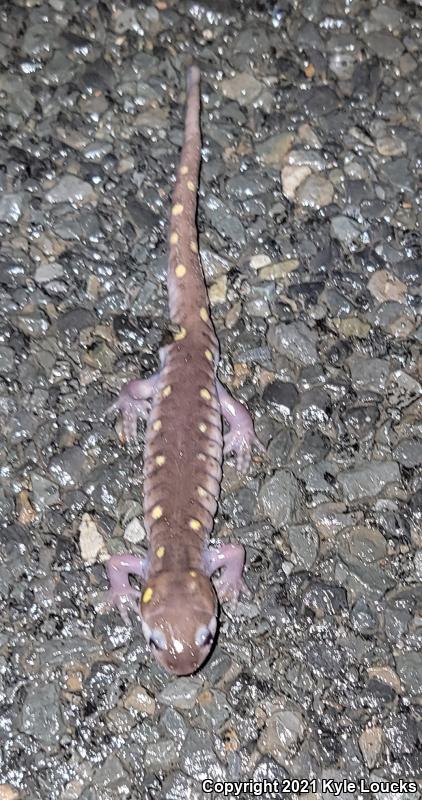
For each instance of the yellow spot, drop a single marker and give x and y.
(194, 524)
(202, 457)
(167, 391)
(160, 551)
(191, 186)
(184, 170)
(174, 238)
(157, 512)
(160, 460)
(156, 425)
(192, 573)
(180, 270)
(177, 210)
(194, 247)
(147, 595)
(203, 313)
(205, 394)
(201, 491)
(208, 355)
(202, 427)
(180, 335)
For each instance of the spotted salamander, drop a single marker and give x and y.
(183, 407)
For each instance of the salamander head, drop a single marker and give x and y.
(179, 619)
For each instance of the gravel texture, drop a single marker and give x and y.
(309, 225)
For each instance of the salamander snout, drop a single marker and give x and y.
(179, 620)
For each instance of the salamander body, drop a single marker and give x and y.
(183, 406)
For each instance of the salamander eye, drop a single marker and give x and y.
(157, 640)
(203, 636)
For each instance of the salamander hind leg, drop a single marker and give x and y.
(241, 437)
(133, 402)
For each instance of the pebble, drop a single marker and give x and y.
(280, 499)
(134, 532)
(181, 693)
(292, 177)
(295, 341)
(371, 744)
(9, 792)
(48, 272)
(11, 207)
(138, 699)
(71, 189)
(345, 230)
(243, 87)
(408, 452)
(368, 480)
(273, 150)
(315, 192)
(41, 714)
(283, 731)
(91, 542)
(384, 285)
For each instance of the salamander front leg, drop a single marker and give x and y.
(133, 402)
(121, 594)
(231, 559)
(241, 437)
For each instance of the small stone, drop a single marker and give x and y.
(138, 699)
(387, 675)
(259, 261)
(296, 341)
(369, 373)
(71, 189)
(369, 479)
(353, 326)
(386, 46)
(25, 512)
(41, 714)
(181, 693)
(281, 499)
(243, 87)
(7, 359)
(11, 207)
(409, 452)
(304, 543)
(384, 285)
(409, 668)
(283, 731)
(368, 544)
(157, 754)
(91, 542)
(391, 146)
(345, 230)
(315, 192)
(134, 532)
(48, 272)
(8, 792)
(370, 743)
(278, 270)
(44, 491)
(281, 396)
(273, 150)
(217, 292)
(292, 177)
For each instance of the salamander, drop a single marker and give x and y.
(183, 406)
